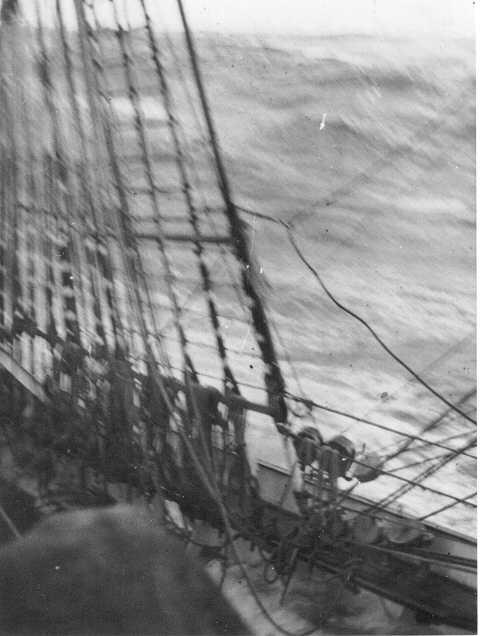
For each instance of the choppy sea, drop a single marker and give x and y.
(369, 145)
(366, 145)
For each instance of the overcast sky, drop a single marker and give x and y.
(419, 17)
(444, 18)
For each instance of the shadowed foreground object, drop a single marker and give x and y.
(8, 10)
(110, 571)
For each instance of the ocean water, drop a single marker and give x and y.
(369, 145)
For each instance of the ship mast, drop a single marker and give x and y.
(274, 381)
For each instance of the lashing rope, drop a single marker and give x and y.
(97, 257)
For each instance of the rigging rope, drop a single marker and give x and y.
(134, 97)
(210, 216)
(33, 241)
(354, 315)
(443, 440)
(205, 477)
(187, 191)
(68, 247)
(424, 460)
(415, 483)
(310, 404)
(273, 377)
(446, 507)
(95, 81)
(13, 299)
(304, 400)
(383, 427)
(137, 275)
(406, 445)
(98, 257)
(8, 522)
(373, 332)
(428, 472)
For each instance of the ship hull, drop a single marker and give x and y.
(437, 592)
(418, 578)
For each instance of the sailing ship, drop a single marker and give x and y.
(137, 352)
